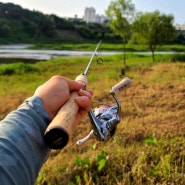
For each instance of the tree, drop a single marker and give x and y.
(153, 29)
(121, 15)
(5, 29)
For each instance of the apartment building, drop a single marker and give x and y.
(180, 27)
(89, 14)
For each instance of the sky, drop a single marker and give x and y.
(70, 8)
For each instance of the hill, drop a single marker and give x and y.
(19, 25)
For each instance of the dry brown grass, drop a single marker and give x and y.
(154, 107)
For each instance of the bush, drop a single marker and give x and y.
(178, 58)
(16, 68)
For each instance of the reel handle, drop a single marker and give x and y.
(122, 85)
(58, 131)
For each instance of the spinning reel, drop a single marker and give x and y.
(104, 119)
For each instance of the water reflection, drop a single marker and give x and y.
(21, 51)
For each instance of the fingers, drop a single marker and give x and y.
(56, 91)
(74, 85)
(84, 101)
(87, 93)
(60, 81)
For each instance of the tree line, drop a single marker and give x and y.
(22, 25)
(150, 29)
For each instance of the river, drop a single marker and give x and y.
(21, 51)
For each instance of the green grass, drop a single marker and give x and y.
(148, 147)
(17, 68)
(107, 47)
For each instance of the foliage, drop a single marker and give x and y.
(17, 68)
(153, 29)
(180, 37)
(85, 168)
(178, 58)
(23, 25)
(121, 15)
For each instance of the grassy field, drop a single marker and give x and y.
(107, 47)
(149, 145)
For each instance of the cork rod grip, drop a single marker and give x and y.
(57, 133)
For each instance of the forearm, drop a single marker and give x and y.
(22, 148)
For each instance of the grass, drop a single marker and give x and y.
(107, 47)
(148, 147)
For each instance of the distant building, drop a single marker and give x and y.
(101, 19)
(76, 16)
(89, 15)
(180, 27)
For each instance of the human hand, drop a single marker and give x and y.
(56, 91)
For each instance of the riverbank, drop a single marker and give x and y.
(33, 53)
(118, 47)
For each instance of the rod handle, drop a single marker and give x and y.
(58, 131)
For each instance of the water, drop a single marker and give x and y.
(21, 51)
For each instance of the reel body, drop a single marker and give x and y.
(108, 118)
(104, 120)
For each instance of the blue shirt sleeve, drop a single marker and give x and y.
(22, 147)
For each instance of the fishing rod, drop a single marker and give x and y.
(57, 133)
(104, 119)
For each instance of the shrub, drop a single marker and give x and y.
(17, 68)
(178, 58)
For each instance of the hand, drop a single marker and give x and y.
(56, 91)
